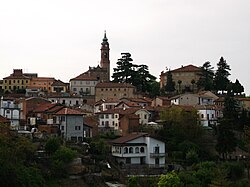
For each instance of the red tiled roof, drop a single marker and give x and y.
(58, 83)
(84, 76)
(127, 138)
(188, 68)
(44, 107)
(114, 85)
(90, 121)
(68, 111)
(130, 104)
(43, 78)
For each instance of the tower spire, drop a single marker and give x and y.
(105, 39)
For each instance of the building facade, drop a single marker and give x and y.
(138, 149)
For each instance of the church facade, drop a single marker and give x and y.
(84, 84)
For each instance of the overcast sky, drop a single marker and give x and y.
(62, 38)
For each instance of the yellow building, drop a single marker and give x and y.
(16, 81)
(43, 83)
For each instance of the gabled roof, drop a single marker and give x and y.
(114, 85)
(68, 111)
(129, 137)
(129, 104)
(188, 68)
(84, 76)
(58, 83)
(47, 107)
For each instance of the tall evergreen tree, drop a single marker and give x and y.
(125, 69)
(170, 85)
(221, 80)
(142, 78)
(206, 77)
(237, 87)
(137, 75)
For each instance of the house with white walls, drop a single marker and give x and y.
(11, 110)
(139, 149)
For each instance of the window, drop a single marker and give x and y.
(202, 116)
(77, 128)
(62, 128)
(101, 116)
(62, 118)
(106, 116)
(137, 150)
(102, 123)
(112, 116)
(142, 149)
(131, 150)
(74, 89)
(7, 111)
(145, 116)
(113, 123)
(125, 150)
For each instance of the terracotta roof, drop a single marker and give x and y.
(58, 83)
(188, 68)
(90, 121)
(43, 78)
(114, 85)
(44, 107)
(130, 104)
(137, 100)
(84, 76)
(68, 111)
(127, 138)
(4, 120)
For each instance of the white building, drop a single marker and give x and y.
(139, 148)
(11, 110)
(84, 84)
(209, 114)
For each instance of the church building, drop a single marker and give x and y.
(84, 84)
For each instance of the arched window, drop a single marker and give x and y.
(137, 150)
(142, 149)
(131, 150)
(125, 150)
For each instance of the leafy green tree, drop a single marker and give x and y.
(226, 140)
(154, 89)
(170, 180)
(180, 124)
(221, 80)
(17, 162)
(60, 159)
(125, 69)
(206, 77)
(170, 85)
(52, 145)
(192, 157)
(205, 172)
(133, 182)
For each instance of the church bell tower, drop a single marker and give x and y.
(105, 62)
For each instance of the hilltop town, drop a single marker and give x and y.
(98, 128)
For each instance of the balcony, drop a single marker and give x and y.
(153, 155)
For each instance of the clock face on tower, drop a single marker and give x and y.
(106, 45)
